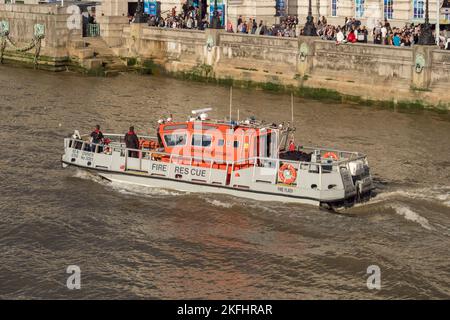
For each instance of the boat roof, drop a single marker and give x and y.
(225, 124)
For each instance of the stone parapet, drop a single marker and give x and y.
(371, 71)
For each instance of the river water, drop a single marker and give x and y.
(134, 242)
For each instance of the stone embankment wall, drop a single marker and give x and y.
(362, 71)
(54, 46)
(308, 66)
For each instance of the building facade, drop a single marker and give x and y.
(398, 12)
(260, 9)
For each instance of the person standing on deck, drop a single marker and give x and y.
(96, 137)
(292, 146)
(132, 142)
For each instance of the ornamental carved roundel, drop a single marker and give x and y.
(420, 63)
(4, 27)
(39, 30)
(210, 43)
(303, 51)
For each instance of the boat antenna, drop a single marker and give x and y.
(292, 108)
(238, 115)
(231, 100)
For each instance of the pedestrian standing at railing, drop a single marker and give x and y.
(254, 26)
(239, 20)
(396, 40)
(340, 38)
(383, 34)
(229, 26)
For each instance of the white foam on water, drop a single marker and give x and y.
(437, 194)
(127, 188)
(410, 215)
(132, 189)
(82, 174)
(218, 203)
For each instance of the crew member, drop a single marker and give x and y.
(291, 146)
(160, 122)
(96, 137)
(132, 142)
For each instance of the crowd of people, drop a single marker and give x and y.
(189, 17)
(287, 27)
(382, 33)
(351, 31)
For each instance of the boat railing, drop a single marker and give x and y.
(344, 155)
(129, 154)
(116, 137)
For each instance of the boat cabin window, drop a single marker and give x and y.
(175, 127)
(201, 140)
(268, 145)
(221, 143)
(77, 144)
(173, 140)
(204, 126)
(236, 144)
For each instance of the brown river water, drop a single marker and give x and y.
(135, 242)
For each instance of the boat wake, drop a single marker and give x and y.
(126, 188)
(86, 175)
(393, 200)
(218, 203)
(137, 190)
(410, 215)
(408, 203)
(439, 195)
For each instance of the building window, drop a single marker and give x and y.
(388, 9)
(359, 4)
(334, 8)
(419, 11)
(280, 8)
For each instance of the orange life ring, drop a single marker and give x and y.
(330, 155)
(287, 173)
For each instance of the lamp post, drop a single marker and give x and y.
(438, 15)
(215, 19)
(426, 36)
(200, 12)
(139, 14)
(444, 9)
(310, 28)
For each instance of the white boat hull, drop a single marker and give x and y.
(199, 188)
(315, 183)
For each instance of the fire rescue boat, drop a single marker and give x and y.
(250, 158)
